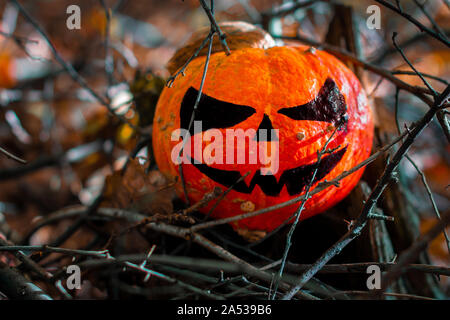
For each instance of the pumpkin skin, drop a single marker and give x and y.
(268, 81)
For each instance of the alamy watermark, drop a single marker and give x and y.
(374, 20)
(74, 279)
(73, 22)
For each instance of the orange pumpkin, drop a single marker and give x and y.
(302, 94)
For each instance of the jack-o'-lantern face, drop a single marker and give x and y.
(284, 103)
(328, 106)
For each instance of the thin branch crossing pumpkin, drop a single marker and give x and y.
(261, 119)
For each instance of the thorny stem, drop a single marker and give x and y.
(214, 26)
(172, 78)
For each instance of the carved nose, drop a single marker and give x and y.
(265, 131)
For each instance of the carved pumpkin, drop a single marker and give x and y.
(304, 94)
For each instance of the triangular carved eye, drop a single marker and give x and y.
(211, 112)
(329, 106)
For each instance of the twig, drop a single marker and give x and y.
(191, 121)
(394, 35)
(27, 262)
(287, 8)
(214, 29)
(369, 294)
(442, 118)
(163, 261)
(228, 267)
(377, 216)
(433, 23)
(420, 172)
(381, 57)
(430, 196)
(50, 249)
(207, 198)
(299, 212)
(16, 172)
(21, 41)
(17, 38)
(223, 195)
(11, 156)
(179, 232)
(16, 286)
(362, 267)
(139, 267)
(65, 213)
(425, 75)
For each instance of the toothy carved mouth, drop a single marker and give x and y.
(328, 106)
(295, 179)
